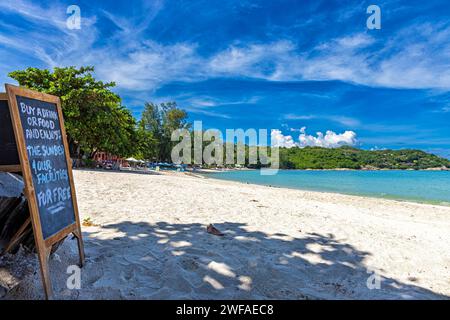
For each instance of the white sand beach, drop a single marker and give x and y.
(149, 241)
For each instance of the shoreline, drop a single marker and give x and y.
(390, 198)
(335, 169)
(208, 173)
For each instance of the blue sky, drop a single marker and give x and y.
(258, 64)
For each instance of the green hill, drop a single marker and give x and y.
(352, 158)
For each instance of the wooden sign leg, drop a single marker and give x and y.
(17, 236)
(44, 256)
(77, 235)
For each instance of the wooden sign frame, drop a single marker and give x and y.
(11, 167)
(43, 246)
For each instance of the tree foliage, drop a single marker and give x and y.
(94, 117)
(352, 158)
(155, 129)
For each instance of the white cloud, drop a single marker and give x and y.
(206, 101)
(343, 120)
(253, 60)
(36, 13)
(414, 57)
(329, 140)
(411, 58)
(280, 140)
(203, 102)
(291, 116)
(150, 65)
(45, 37)
(207, 113)
(359, 40)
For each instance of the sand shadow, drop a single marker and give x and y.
(182, 261)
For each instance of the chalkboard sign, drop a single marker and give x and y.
(48, 162)
(42, 147)
(9, 158)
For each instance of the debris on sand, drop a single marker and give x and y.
(213, 230)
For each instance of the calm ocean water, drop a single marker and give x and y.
(420, 186)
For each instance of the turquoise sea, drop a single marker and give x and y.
(419, 186)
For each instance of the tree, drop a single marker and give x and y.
(156, 126)
(94, 117)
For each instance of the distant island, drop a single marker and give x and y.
(352, 158)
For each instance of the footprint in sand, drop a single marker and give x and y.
(189, 264)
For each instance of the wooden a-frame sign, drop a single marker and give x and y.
(38, 125)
